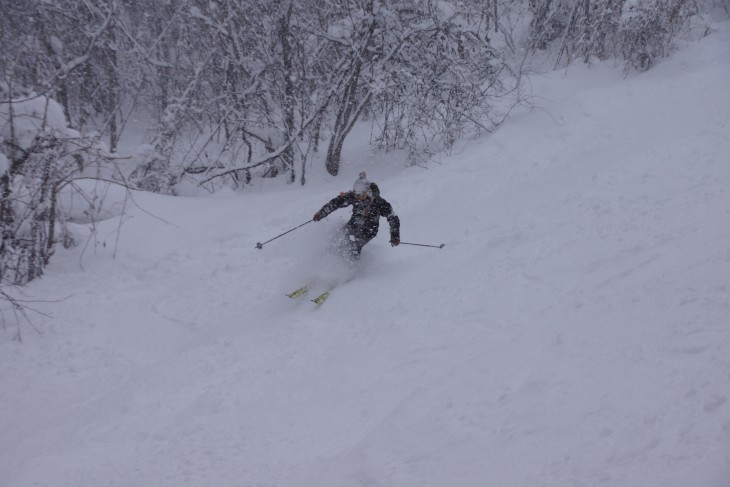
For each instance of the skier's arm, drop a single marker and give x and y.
(394, 229)
(340, 201)
(394, 223)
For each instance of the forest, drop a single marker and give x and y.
(234, 90)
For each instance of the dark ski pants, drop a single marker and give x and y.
(351, 241)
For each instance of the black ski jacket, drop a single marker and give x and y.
(365, 213)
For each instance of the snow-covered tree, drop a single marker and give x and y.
(638, 31)
(39, 155)
(251, 88)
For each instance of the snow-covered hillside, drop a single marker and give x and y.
(574, 331)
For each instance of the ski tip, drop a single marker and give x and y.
(321, 298)
(298, 292)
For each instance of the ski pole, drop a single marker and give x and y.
(260, 245)
(424, 245)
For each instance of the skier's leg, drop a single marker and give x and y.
(353, 248)
(345, 242)
(358, 243)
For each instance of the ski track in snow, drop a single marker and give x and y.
(573, 331)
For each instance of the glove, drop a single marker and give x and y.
(317, 217)
(394, 242)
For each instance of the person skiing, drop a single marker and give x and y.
(367, 208)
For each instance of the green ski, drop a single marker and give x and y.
(295, 294)
(321, 298)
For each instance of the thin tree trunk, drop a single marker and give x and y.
(334, 151)
(286, 52)
(112, 91)
(496, 24)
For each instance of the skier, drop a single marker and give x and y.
(367, 208)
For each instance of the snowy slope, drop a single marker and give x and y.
(573, 331)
